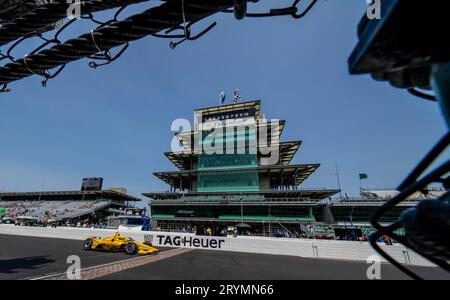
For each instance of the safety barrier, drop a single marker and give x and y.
(318, 249)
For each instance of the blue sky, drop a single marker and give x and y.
(114, 122)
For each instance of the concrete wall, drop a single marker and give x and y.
(340, 250)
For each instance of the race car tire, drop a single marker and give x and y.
(131, 248)
(87, 245)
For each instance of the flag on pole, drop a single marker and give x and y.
(237, 96)
(222, 97)
(363, 176)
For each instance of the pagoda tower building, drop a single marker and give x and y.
(233, 171)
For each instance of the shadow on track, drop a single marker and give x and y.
(15, 265)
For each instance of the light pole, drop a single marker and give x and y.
(242, 209)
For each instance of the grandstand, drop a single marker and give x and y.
(357, 210)
(68, 207)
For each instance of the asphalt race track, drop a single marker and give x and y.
(26, 257)
(31, 258)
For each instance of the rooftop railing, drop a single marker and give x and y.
(236, 201)
(379, 199)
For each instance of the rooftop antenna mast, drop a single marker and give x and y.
(338, 181)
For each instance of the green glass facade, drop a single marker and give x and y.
(224, 161)
(228, 181)
(239, 140)
(233, 213)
